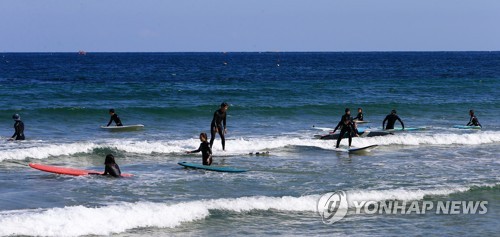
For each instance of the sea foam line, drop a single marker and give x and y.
(120, 217)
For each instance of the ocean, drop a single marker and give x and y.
(275, 100)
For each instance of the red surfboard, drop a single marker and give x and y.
(67, 171)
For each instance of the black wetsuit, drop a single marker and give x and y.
(218, 123)
(359, 117)
(18, 130)
(474, 121)
(391, 120)
(117, 120)
(113, 170)
(206, 153)
(346, 125)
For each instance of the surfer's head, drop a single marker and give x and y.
(347, 111)
(360, 110)
(203, 137)
(16, 117)
(224, 106)
(111, 111)
(471, 112)
(394, 111)
(110, 160)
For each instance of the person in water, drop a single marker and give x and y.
(218, 125)
(391, 120)
(473, 119)
(18, 128)
(111, 168)
(114, 117)
(346, 125)
(359, 117)
(206, 151)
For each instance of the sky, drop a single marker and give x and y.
(248, 25)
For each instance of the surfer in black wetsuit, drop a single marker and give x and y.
(206, 151)
(18, 128)
(391, 120)
(473, 119)
(111, 168)
(346, 125)
(360, 115)
(114, 117)
(218, 125)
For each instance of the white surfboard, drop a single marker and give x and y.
(123, 128)
(359, 149)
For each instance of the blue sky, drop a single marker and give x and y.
(248, 25)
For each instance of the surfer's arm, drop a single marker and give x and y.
(197, 150)
(337, 127)
(110, 121)
(383, 123)
(224, 121)
(402, 124)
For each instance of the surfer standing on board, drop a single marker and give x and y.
(473, 119)
(218, 125)
(206, 151)
(346, 125)
(18, 128)
(114, 117)
(391, 120)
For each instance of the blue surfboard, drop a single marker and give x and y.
(212, 168)
(466, 127)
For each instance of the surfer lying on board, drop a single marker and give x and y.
(206, 151)
(391, 120)
(218, 125)
(18, 128)
(346, 125)
(473, 119)
(359, 117)
(114, 117)
(111, 168)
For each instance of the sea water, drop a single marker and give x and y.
(275, 100)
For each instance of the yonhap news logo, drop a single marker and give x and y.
(334, 206)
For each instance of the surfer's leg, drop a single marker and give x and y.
(223, 138)
(350, 138)
(341, 135)
(212, 136)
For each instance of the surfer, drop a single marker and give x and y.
(346, 125)
(206, 151)
(473, 119)
(18, 128)
(114, 117)
(111, 168)
(218, 125)
(359, 117)
(391, 120)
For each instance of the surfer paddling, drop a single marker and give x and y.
(473, 119)
(206, 151)
(115, 118)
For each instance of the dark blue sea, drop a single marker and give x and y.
(278, 103)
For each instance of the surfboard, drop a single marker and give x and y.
(212, 168)
(406, 129)
(358, 149)
(466, 127)
(68, 171)
(123, 128)
(366, 133)
(364, 121)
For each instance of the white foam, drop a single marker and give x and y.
(238, 146)
(118, 218)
